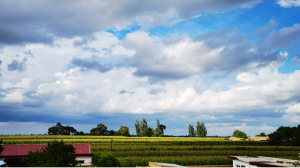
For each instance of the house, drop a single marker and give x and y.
(261, 161)
(258, 138)
(13, 154)
(234, 139)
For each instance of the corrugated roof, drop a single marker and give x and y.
(22, 150)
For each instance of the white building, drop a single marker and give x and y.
(261, 161)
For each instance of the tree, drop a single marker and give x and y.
(198, 129)
(111, 133)
(137, 128)
(285, 136)
(59, 129)
(204, 130)
(262, 134)
(56, 154)
(1, 147)
(239, 134)
(143, 128)
(101, 129)
(159, 131)
(150, 132)
(191, 131)
(124, 131)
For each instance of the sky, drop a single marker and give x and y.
(230, 64)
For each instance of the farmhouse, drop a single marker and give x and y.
(13, 154)
(261, 161)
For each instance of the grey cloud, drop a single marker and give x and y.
(124, 91)
(266, 29)
(296, 61)
(84, 40)
(0, 67)
(94, 65)
(220, 50)
(17, 66)
(33, 20)
(284, 37)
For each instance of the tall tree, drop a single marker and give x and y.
(137, 128)
(59, 129)
(204, 130)
(157, 129)
(1, 147)
(162, 128)
(191, 131)
(101, 129)
(56, 154)
(143, 127)
(199, 129)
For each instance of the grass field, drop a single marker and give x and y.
(138, 151)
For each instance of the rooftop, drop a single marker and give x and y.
(263, 161)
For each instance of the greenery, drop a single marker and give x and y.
(106, 160)
(150, 132)
(59, 129)
(56, 154)
(239, 134)
(1, 146)
(262, 134)
(201, 130)
(137, 127)
(101, 129)
(191, 131)
(285, 136)
(138, 151)
(124, 131)
(143, 128)
(159, 130)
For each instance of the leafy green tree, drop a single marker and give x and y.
(106, 160)
(262, 134)
(59, 129)
(157, 129)
(124, 131)
(199, 129)
(191, 131)
(285, 136)
(150, 132)
(137, 128)
(204, 130)
(239, 134)
(56, 154)
(101, 129)
(143, 128)
(1, 147)
(111, 133)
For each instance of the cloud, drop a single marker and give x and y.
(288, 3)
(124, 91)
(95, 65)
(285, 36)
(296, 61)
(182, 57)
(38, 23)
(293, 109)
(17, 66)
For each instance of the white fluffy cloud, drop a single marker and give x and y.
(288, 3)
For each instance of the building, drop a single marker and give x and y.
(261, 161)
(13, 154)
(258, 138)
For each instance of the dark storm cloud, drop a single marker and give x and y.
(94, 65)
(17, 66)
(32, 21)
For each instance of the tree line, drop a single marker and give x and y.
(200, 131)
(59, 129)
(142, 129)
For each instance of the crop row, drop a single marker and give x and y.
(166, 153)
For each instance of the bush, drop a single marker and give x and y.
(239, 134)
(106, 160)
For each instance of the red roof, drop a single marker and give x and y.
(22, 150)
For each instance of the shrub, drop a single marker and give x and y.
(107, 160)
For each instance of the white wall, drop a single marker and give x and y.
(239, 164)
(86, 159)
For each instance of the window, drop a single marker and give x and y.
(80, 161)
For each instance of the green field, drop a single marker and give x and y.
(138, 151)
